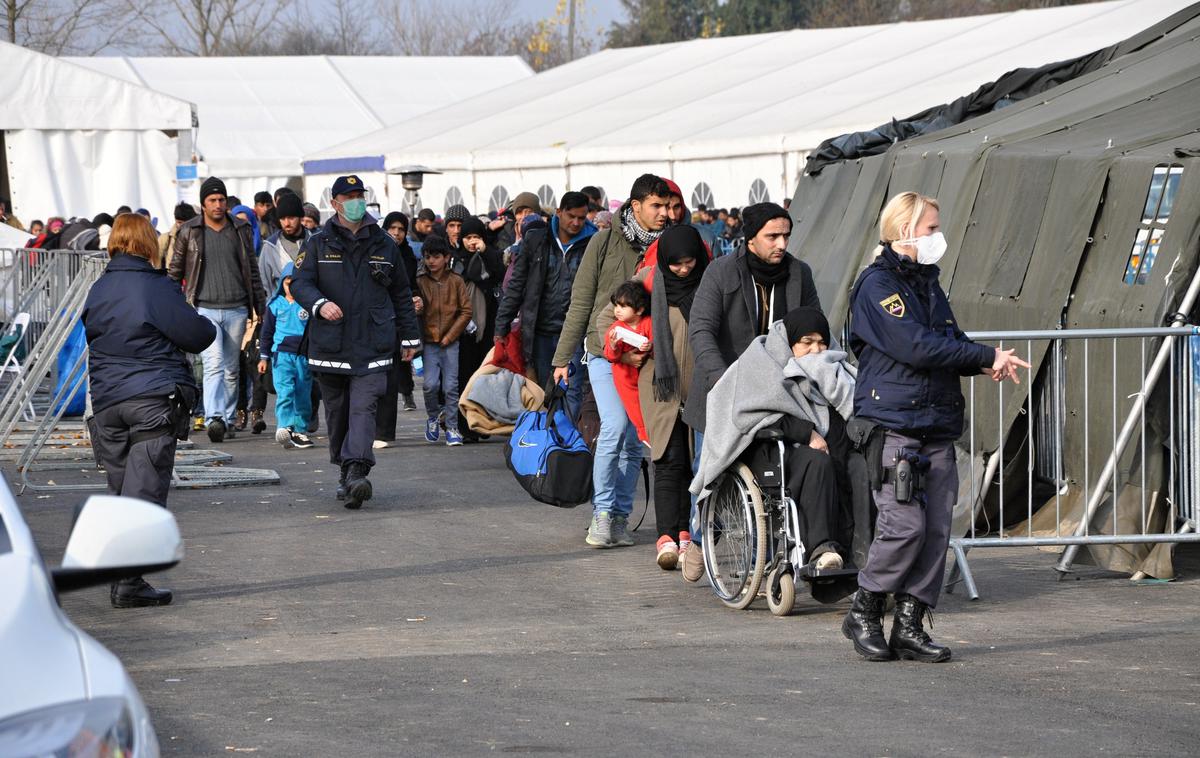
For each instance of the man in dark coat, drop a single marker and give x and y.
(539, 291)
(351, 280)
(739, 298)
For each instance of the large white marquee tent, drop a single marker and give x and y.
(260, 115)
(730, 119)
(75, 141)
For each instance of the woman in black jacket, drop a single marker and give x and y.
(139, 328)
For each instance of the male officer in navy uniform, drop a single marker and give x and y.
(350, 278)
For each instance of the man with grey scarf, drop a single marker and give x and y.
(788, 383)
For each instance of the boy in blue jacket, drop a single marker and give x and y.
(284, 324)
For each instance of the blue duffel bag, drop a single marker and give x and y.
(549, 456)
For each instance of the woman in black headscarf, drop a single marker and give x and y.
(664, 381)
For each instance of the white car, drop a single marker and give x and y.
(61, 692)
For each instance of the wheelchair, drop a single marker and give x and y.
(751, 534)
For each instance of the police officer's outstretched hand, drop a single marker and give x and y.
(330, 311)
(1005, 366)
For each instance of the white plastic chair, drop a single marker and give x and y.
(12, 365)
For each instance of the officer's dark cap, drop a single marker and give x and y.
(344, 185)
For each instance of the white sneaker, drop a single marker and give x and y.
(829, 562)
(379, 444)
(283, 436)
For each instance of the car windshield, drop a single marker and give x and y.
(5, 542)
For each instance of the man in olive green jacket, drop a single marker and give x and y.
(611, 258)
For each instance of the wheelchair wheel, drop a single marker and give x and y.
(781, 592)
(735, 538)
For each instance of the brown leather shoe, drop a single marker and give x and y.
(693, 563)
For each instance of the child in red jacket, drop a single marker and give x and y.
(629, 333)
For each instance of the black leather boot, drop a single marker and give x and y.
(358, 487)
(341, 490)
(909, 640)
(137, 593)
(864, 626)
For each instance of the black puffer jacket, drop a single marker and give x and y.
(138, 328)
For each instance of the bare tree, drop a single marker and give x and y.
(61, 27)
(203, 27)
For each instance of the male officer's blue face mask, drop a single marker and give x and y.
(354, 209)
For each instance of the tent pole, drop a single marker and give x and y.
(1131, 425)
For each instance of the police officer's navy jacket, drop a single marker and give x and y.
(138, 327)
(910, 350)
(363, 274)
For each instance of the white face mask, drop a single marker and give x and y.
(930, 248)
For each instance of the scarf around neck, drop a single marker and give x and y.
(676, 243)
(633, 232)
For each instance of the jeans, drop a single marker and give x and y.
(619, 452)
(544, 346)
(441, 373)
(696, 530)
(222, 361)
(293, 391)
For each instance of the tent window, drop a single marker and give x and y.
(1147, 239)
(547, 197)
(702, 195)
(454, 196)
(498, 200)
(759, 193)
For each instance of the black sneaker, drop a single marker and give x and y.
(137, 593)
(409, 404)
(217, 430)
(299, 439)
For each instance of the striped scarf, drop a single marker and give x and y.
(633, 231)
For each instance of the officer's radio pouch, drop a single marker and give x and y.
(867, 438)
(908, 475)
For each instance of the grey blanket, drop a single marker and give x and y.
(499, 395)
(763, 385)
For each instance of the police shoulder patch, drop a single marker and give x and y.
(303, 314)
(893, 305)
(300, 259)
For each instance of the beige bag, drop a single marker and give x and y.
(532, 397)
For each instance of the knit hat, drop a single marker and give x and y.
(526, 200)
(457, 213)
(435, 244)
(473, 225)
(212, 186)
(805, 320)
(755, 217)
(311, 211)
(289, 206)
(184, 212)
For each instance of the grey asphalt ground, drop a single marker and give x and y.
(453, 616)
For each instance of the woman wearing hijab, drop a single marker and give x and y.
(663, 382)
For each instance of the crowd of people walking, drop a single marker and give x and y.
(687, 337)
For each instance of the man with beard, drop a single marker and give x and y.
(612, 257)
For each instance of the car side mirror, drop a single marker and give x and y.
(117, 538)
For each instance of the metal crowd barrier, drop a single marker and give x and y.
(1102, 450)
(36, 282)
(52, 286)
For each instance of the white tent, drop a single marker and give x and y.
(261, 115)
(76, 142)
(731, 119)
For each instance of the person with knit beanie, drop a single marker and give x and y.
(230, 294)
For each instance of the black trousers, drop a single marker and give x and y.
(252, 386)
(350, 406)
(471, 353)
(672, 475)
(137, 462)
(812, 481)
(399, 382)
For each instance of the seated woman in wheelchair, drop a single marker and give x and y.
(788, 385)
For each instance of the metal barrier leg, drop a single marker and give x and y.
(962, 570)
